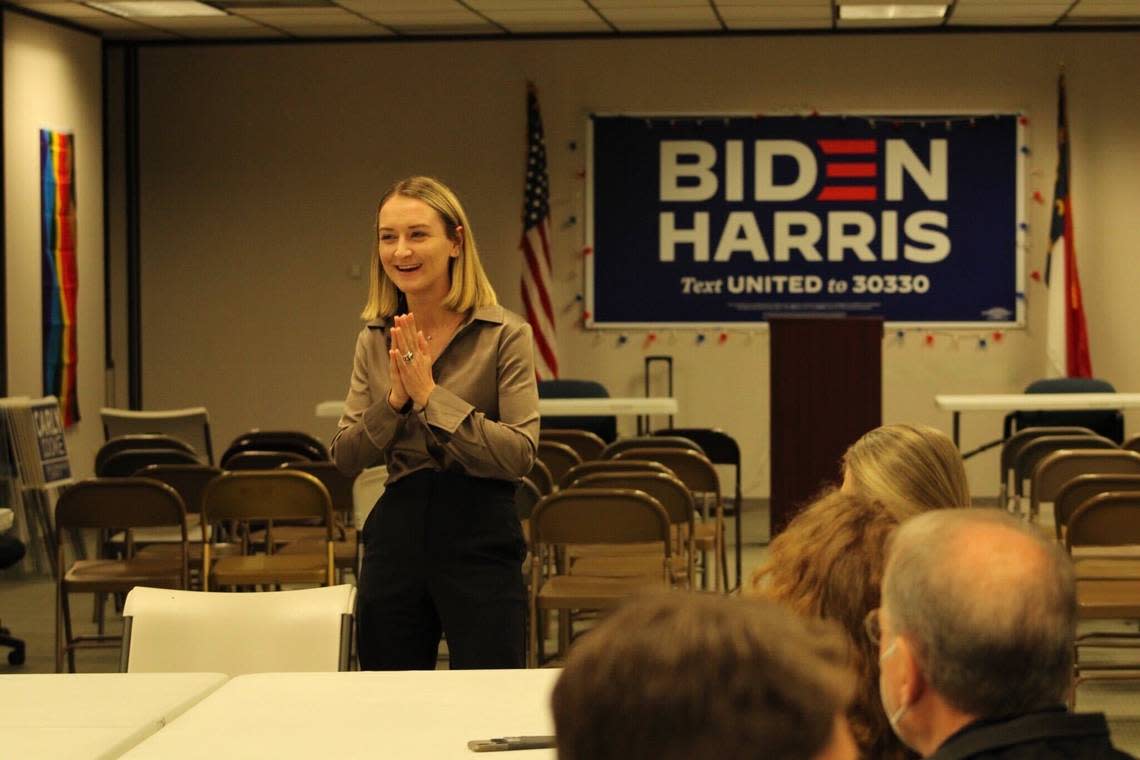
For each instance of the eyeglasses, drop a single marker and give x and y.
(872, 628)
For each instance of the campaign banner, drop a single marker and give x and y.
(714, 220)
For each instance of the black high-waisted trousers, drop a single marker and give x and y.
(442, 553)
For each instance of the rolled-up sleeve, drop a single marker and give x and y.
(368, 425)
(486, 447)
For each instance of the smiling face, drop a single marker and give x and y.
(415, 250)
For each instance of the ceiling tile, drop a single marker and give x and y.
(530, 21)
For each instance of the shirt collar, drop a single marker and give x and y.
(492, 314)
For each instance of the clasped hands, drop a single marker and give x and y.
(409, 364)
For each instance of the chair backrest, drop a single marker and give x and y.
(610, 465)
(673, 495)
(1133, 443)
(600, 516)
(366, 491)
(649, 442)
(1013, 445)
(337, 483)
(588, 445)
(558, 458)
(605, 427)
(260, 460)
(1082, 488)
(1059, 467)
(540, 475)
(267, 495)
(189, 480)
(293, 441)
(190, 425)
(127, 462)
(718, 446)
(1107, 519)
(526, 497)
(138, 441)
(1037, 449)
(691, 467)
(1106, 422)
(217, 632)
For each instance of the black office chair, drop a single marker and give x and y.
(1106, 422)
(11, 551)
(604, 427)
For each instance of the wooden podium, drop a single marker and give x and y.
(827, 390)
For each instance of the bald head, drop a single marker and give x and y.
(989, 605)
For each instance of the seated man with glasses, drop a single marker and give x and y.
(682, 676)
(975, 639)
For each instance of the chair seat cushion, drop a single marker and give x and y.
(344, 552)
(122, 575)
(577, 592)
(1108, 599)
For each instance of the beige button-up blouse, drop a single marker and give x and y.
(481, 418)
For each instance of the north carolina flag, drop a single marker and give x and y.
(1066, 336)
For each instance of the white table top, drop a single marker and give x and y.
(426, 715)
(92, 715)
(566, 407)
(1036, 401)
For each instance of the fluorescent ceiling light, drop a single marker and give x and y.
(890, 12)
(157, 8)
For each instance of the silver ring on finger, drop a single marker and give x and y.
(408, 357)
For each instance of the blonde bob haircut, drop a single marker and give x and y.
(908, 469)
(470, 287)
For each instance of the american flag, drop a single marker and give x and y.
(535, 244)
(1067, 339)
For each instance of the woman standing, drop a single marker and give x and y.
(443, 392)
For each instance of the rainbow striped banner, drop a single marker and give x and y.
(60, 275)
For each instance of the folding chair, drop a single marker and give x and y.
(649, 442)
(260, 460)
(540, 475)
(268, 495)
(112, 504)
(588, 445)
(624, 561)
(306, 630)
(295, 539)
(558, 458)
(1038, 448)
(591, 516)
(1013, 445)
(695, 470)
(1107, 520)
(1080, 489)
(1132, 444)
(1059, 467)
(721, 449)
(292, 441)
(137, 442)
(610, 465)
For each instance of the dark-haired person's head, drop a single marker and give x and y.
(681, 676)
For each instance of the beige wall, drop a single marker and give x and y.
(261, 165)
(52, 79)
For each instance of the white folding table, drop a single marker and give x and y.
(427, 715)
(89, 716)
(1032, 402)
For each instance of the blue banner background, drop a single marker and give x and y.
(975, 283)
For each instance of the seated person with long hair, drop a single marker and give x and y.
(828, 563)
